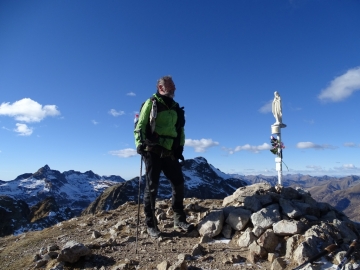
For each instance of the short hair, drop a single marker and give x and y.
(163, 79)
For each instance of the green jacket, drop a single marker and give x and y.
(165, 126)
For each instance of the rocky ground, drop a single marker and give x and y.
(280, 234)
(116, 246)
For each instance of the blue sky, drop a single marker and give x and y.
(74, 73)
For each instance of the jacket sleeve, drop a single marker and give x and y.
(140, 129)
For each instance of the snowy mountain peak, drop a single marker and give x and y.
(42, 172)
(91, 174)
(46, 168)
(69, 188)
(200, 160)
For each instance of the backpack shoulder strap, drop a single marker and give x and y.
(181, 116)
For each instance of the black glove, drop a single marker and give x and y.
(179, 153)
(140, 149)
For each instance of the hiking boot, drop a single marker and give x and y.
(153, 232)
(184, 226)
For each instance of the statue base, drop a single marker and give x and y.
(276, 128)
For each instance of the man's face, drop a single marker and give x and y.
(168, 88)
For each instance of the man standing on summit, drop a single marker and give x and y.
(159, 139)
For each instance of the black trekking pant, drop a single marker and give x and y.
(172, 170)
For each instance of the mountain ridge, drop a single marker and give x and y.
(61, 196)
(51, 196)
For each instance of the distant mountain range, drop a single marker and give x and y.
(72, 189)
(304, 181)
(34, 201)
(37, 200)
(202, 181)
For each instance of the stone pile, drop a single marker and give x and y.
(281, 224)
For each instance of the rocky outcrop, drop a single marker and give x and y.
(43, 209)
(14, 215)
(113, 197)
(17, 217)
(47, 213)
(340, 192)
(72, 251)
(287, 222)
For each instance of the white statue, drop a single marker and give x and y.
(277, 110)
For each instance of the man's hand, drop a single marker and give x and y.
(179, 153)
(140, 149)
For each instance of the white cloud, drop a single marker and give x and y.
(314, 167)
(342, 87)
(94, 122)
(23, 129)
(351, 144)
(125, 153)
(28, 110)
(200, 145)
(251, 148)
(115, 113)
(266, 108)
(308, 145)
(349, 168)
(132, 94)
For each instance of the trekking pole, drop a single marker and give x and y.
(347, 255)
(138, 213)
(326, 250)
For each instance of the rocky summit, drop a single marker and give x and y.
(258, 226)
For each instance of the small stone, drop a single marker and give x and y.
(198, 250)
(169, 212)
(184, 257)
(53, 254)
(272, 256)
(278, 264)
(40, 263)
(95, 234)
(161, 216)
(46, 257)
(163, 265)
(205, 239)
(52, 248)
